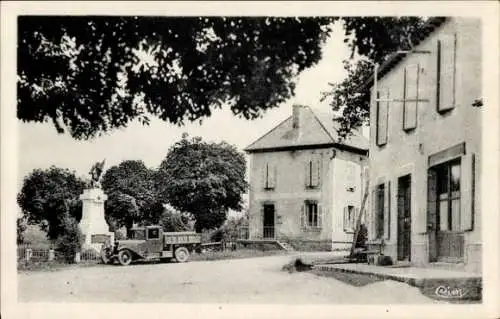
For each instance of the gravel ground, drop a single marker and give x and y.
(255, 280)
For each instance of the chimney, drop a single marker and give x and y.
(296, 114)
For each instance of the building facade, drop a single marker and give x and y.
(425, 149)
(306, 186)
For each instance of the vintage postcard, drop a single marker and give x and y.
(250, 159)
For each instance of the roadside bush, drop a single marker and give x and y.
(69, 242)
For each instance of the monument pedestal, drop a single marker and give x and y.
(93, 224)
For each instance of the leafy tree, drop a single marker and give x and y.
(84, 73)
(122, 210)
(373, 40)
(132, 194)
(204, 179)
(47, 196)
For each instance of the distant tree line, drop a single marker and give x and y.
(199, 181)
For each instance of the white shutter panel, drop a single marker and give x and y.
(314, 173)
(263, 176)
(355, 218)
(303, 215)
(345, 224)
(372, 215)
(447, 71)
(271, 176)
(275, 175)
(430, 216)
(410, 107)
(467, 218)
(307, 176)
(382, 118)
(318, 172)
(387, 210)
(320, 215)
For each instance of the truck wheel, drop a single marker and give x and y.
(181, 254)
(125, 257)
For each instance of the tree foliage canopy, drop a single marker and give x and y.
(204, 179)
(132, 196)
(86, 74)
(49, 196)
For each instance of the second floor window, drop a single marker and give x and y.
(312, 174)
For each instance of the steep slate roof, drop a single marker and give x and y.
(316, 128)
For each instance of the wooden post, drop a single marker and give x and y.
(358, 222)
(28, 254)
(77, 257)
(51, 255)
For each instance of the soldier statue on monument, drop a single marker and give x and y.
(95, 174)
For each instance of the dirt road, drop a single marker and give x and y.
(256, 280)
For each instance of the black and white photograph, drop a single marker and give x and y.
(289, 155)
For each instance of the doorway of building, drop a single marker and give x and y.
(449, 238)
(268, 218)
(404, 218)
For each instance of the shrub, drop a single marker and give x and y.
(69, 242)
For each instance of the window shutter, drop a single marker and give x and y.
(318, 172)
(447, 72)
(387, 210)
(303, 215)
(307, 172)
(382, 118)
(410, 104)
(467, 218)
(372, 229)
(345, 225)
(355, 218)
(428, 221)
(320, 215)
(272, 176)
(263, 178)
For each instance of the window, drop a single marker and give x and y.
(312, 173)
(382, 118)
(381, 199)
(138, 234)
(446, 73)
(349, 217)
(153, 233)
(410, 97)
(448, 177)
(269, 178)
(311, 216)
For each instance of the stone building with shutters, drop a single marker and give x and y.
(305, 185)
(425, 149)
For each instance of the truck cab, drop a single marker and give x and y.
(151, 243)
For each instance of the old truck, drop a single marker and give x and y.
(151, 243)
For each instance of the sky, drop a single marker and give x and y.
(40, 146)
